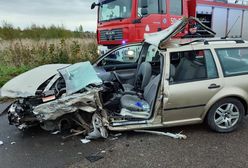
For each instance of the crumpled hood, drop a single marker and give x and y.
(26, 84)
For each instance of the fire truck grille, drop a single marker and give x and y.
(115, 34)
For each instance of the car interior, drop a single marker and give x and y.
(134, 100)
(187, 66)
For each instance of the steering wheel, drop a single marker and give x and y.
(118, 80)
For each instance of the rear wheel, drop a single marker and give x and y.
(226, 115)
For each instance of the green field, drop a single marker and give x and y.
(33, 47)
(18, 56)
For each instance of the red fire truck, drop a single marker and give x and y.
(125, 21)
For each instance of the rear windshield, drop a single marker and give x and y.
(234, 61)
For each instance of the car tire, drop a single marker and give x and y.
(226, 115)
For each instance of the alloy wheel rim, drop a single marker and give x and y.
(226, 116)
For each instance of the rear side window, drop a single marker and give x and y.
(234, 61)
(190, 66)
(176, 7)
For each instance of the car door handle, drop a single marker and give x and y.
(214, 86)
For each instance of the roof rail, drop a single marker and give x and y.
(206, 41)
(238, 41)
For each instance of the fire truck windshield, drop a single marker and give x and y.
(114, 10)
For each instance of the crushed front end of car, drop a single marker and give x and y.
(64, 97)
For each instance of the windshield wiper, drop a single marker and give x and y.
(117, 18)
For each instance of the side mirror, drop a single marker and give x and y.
(144, 3)
(144, 11)
(93, 5)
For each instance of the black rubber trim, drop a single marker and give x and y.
(178, 108)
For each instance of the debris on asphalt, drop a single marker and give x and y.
(76, 133)
(113, 139)
(94, 158)
(12, 143)
(117, 135)
(85, 141)
(99, 155)
(22, 126)
(79, 153)
(175, 136)
(62, 144)
(1, 143)
(55, 132)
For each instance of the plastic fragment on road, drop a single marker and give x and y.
(175, 136)
(1, 143)
(113, 139)
(75, 134)
(117, 135)
(55, 133)
(12, 143)
(94, 158)
(85, 141)
(22, 126)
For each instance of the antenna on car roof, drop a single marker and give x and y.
(231, 28)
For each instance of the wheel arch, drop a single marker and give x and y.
(238, 94)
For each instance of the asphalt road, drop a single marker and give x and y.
(39, 149)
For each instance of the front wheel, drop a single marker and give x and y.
(226, 115)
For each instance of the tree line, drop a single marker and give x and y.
(9, 32)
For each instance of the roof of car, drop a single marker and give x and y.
(175, 43)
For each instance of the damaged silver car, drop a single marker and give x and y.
(135, 86)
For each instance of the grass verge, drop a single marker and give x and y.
(8, 72)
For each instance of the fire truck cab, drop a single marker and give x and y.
(126, 21)
(121, 22)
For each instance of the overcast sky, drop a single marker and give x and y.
(70, 13)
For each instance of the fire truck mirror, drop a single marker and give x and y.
(93, 5)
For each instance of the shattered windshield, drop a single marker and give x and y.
(114, 9)
(78, 76)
